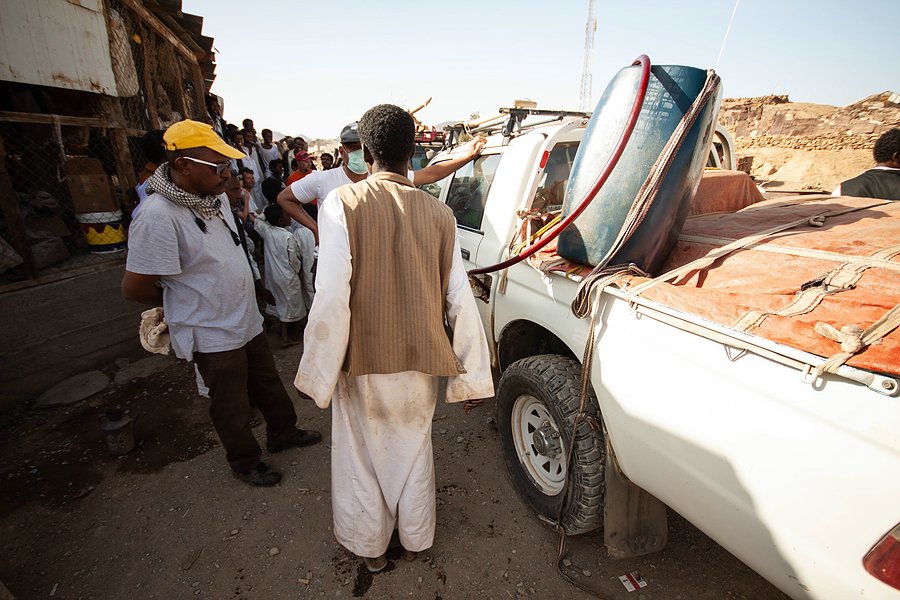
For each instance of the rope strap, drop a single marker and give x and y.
(705, 261)
(853, 339)
(812, 293)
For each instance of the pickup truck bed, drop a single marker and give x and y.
(842, 272)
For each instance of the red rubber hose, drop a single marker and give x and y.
(644, 62)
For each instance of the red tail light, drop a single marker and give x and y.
(883, 561)
(544, 158)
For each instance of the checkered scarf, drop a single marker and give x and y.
(206, 206)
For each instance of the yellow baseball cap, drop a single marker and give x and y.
(194, 134)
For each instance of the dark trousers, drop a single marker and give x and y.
(232, 378)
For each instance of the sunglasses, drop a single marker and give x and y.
(220, 167)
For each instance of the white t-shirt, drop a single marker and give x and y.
(208, 292)
(252, 163)
(270, 154)
(319, 184)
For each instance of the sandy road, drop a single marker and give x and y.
(167, 520)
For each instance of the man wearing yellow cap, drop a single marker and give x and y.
(185, 253)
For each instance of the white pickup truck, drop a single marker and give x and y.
(794, 471)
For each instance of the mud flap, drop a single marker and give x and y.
(634, 521)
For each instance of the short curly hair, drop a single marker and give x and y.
(887, 146)
(388, 132)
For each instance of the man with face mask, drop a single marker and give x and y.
(318, 184)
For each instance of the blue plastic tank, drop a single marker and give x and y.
(670, 92)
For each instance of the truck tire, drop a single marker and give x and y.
(536, 407)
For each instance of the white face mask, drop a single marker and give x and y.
(356, 162)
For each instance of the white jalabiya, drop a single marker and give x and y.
(382, 468)
(288, 268)
(258, 200)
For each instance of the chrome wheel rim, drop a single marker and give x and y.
(538, 444)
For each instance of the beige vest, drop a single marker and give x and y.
(401, 248)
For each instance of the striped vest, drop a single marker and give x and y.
(401, 248)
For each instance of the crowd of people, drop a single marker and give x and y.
(255, 181)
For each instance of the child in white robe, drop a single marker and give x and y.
(288, 268)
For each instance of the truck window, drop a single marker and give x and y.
(437, 187)
(469, 190)
(550, 193)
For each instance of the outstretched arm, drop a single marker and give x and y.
(438, 171)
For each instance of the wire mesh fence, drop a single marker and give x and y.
(66, 203)
(157, 85)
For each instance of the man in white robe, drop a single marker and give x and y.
(382, 464)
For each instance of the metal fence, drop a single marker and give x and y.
(157, 83)
(64, 204)
(67, 184)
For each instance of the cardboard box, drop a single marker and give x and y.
(89, 186)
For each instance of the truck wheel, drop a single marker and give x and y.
(536, 408)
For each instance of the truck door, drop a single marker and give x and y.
(466, 196)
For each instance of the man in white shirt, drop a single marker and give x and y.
(185, 254)
(318, 184)
(268, 151)
(254, 190)
(252, 162)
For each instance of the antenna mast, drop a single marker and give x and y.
(590, 28)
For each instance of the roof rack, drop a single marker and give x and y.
(510, 126)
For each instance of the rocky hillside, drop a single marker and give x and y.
(792, 145)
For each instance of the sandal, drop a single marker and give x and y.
(375, 564)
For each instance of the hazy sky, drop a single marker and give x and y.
(311, 67)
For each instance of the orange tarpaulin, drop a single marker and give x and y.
(844, 272)
(724, 191)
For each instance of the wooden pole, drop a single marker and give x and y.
(9, 206)
(148, 70)
(119, 138)
(180, 99)
(22, 117)
(57, 131)
(199, 92)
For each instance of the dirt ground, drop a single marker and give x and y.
(168, 521)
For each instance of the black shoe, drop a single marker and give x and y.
(260, 475)
(302, 437)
